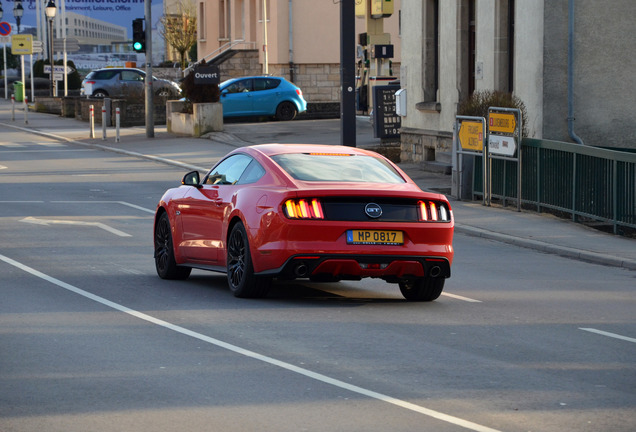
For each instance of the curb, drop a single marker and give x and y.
(578, 254)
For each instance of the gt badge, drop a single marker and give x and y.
(373, 210)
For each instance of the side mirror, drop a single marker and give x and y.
(191, 179)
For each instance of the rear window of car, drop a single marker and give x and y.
(265, 83)
(102, 75)
(338, 168)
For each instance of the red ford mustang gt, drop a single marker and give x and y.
(321, 212)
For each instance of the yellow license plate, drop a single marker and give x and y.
(375, 237)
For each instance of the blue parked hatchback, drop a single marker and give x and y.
(261, 96)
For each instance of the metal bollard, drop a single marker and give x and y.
(26, 109)
(91, 121)
(117, 124)
(103, 122)
(12, 107)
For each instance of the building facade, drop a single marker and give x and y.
(92, 31)
(576, 77)
(300, 40)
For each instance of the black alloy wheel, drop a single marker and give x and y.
(165, 263)
(164, 92)
(240, 272)
(286, 111)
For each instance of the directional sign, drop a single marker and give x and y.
(58, 69)
(471, 136)
(72, 45)
(22, 44)
(37, 47)
(5, 28)
(502, 122)
(502, 145)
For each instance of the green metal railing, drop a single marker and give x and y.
(585, 182)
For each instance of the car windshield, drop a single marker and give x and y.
(338, 168)
(225, 83)
(103, 74)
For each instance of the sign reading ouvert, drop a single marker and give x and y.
(207, 75)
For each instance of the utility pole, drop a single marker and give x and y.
(347, 73)
(150, 123)
(265, 57)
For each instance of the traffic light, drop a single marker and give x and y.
(139, 35)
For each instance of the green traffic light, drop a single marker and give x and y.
(138, 46)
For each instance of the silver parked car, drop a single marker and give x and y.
(118, 82)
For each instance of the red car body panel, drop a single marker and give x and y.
(201, 218)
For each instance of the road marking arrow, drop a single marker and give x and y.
(48, 222)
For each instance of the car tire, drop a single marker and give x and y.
(100, 94)
(165, 263)
(240, 271)
(422, 289)
(164, 93)
(286, 111)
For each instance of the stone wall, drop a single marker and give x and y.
(132, 113)
(242, 63)
(48, 105)
(419, 145)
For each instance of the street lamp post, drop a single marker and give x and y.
(4, 59)
(50, 11)
(18, 11)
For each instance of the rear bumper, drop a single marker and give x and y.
(354, 267)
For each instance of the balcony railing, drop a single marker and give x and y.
(222, 49)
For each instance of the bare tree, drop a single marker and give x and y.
(179, 30)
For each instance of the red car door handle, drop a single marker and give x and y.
(218, 201)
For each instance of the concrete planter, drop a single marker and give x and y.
(206, 117)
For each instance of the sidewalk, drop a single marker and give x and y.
(541, 232)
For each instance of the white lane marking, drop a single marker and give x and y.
(608, 334)
(124, 203)
(458, 297)
(3, 167)
(51, 144)
(48, 222)
(46, 151)
(251, 354)
(28, 144)
(136, 207)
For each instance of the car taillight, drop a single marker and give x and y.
(89, 82)
(303, 209)
(431, 211)
(299, 92)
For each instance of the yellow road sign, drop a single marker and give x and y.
(502, 122)
(21, 44)
(471, 136)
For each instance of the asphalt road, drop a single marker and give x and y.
(92, 339)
